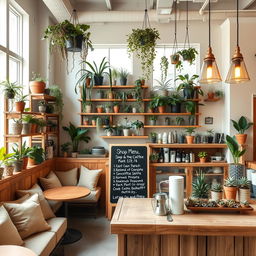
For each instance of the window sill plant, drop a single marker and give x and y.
(37, 84)
(10, 89)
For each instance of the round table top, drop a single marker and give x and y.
(66, 193)
(14, 250)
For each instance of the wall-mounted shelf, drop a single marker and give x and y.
(212, 100)
(209, 145)
(137, 114)
(196, 164)
(118, 87)
(125, 137)
(45, 97)
(171, 126)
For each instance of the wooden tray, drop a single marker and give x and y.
(219, 209)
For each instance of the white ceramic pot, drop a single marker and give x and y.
(216, 195)
(74, 154)
(88, 109)
(108, 110)
(126, 132)
(134, 110)
(244, 194)
(109, 133)
(42, 109)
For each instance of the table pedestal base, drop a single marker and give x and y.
(71, 236)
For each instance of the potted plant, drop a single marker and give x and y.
(167, 121)
(175, 101)
(100, 94)
(4, 158)
(230, 188)
(140, 82)
(210, 136)
(108, 108)
(154, 157)
(99, 109)
(42, 106)
(151, 107)
(76, 135)
(137, 125)
(37, 84)
(236, 170)
(175, 58)
(126, 127)
(200, 189)
(16, 126)
(241, 126)
(162, 86)
(219, 94)
(245, 204)
(189, 137)
(94, 118)
(188, 86)
(216, 192)
(123, 75)
(202, 156)
(142, 42)
(56, 92)
(20, 100)
(10, 90)
(188, 54)
(35, 156)
(244, 189)
(152, 120)
(160, 103)
(18, 156)
(116, 107)
(65, 148)
(109, 130)
(115, 75)
(85, 121)
(87, 107)
(179, 120)
(153, 137)
(41, 123)
(34, 125)
(49, 108)
(26, 124)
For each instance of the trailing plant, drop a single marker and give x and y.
(234, 148)
(164, 64)
(190, 130)
(188, 54)
(142, 42)
(36, 153)
(56, 92)
(200, 187)
(230, 182)
(217, 187)
(76, 135)
(202, 154)
(10, 89)
(241, 125)
(244, 183)
(65, 147)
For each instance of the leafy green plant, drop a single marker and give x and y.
(188, 83)
(36, 153)
(244, 183)
(164, 64)
(202, 154)
(10, 89)
(65, 147)
(179, 120)
(76, 135)
(19, 97)
(142, 42)
(37, 77)
(28, 119)
(56, 92)
(190, 130)
(158, 101)
(175, 99)
(230, 182)
(123, 73)
(200, 187)
(154, 157)
(137, 124)
(23, 152)
(153, 135)
(234, 148)
(219, 94)
(217, 187)
(153, 118)
(188, 54)
(241, 125)
(190, 107)
(5, 157)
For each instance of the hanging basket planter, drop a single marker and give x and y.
(74, 44)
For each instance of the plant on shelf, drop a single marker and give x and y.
(110, 92)
(126, 127)
(65, 148)
(20, 100)
(162, 86)
(179, 120)
(153, 137)
(56, 92)
(42, 106)
(37, 83)
(167, 121)
(109, 130)
(142, 42)
(10, 89)
(26, 124)
(200, 189)
(152, 120)
(245, 204)
(219, 94)
(86, 121)
(77, 135)
(188, 55)
(140, 82)
(115, 75)
(116, 107)
(202, 156)
(230, 188)
(6, 159)
(99, 123)
(35, 155)
(87, 107)
(175, 101)
(235, 169)
(244, 189)
(241, 126)
(191, 108)
(20, 155)
(108, 108)
(154, 157)
(216, 192)
(137, 93)
(189, 137)
(210, 135)
(41, 124)
(137, 125)
(188, 86)
(160, 103)
(99, 108)
(123, 74)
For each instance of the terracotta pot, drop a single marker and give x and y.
(111, 95)
(142, 82)
(244, 194)
(150, 110)
(202, 160)
(190, 139)
(230, 192)
(86, 122)
(241, 138)
(94, 122)
(210, 95)
(25, 163)
(33, 128)
(161, 109)
(65, 154)
(31, 162)
(116, 109)
(88, 81)
(100, 110)
(216, 195)
(8, 170)
(19, 106)
(37, 87)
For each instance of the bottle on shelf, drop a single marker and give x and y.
(183, 157)
(172, 156)
(164, 138)
(166, 155)
(178, 157)
(161, 156)
(159, 138)
(187, 158)
(191, 157)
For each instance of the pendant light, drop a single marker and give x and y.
(210, 73)
(237, 72)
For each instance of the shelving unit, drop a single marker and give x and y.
(40, 137)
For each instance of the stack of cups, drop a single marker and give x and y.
(176, 194)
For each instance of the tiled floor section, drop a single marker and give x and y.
(96, 240)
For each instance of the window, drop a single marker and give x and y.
(11, 47)
(167, 50)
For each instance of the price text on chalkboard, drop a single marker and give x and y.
(128, 168)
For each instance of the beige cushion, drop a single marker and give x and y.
(27, 216)
(51, 181)
(89, 178)
(9, 234)
(46, 209)
(42, 244)
(59, 226)
(55, 205)
(68, 178)
(92, 198)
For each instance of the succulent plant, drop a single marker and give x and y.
(154, 157)
(202, 154)
(244, 183)
(200, 187)
(245, 203)
(216, 187)
(230, 182)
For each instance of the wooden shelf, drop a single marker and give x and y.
(116, 100)
(45, 97)
(124, 137)
(171, 126)
(30, 135)
(137, 114)
(210, 145)
(196, 164)
(212, 100)
(171, 174)
(118, 86)
(210, 174)
(31, 113)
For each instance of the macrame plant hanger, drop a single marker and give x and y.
(175, 43)
(146, 22)
(187, 42)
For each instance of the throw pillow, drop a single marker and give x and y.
(89, 178)
(9, 234)
(68, 178)
(46, 209)
(27, 216)
(51, 181)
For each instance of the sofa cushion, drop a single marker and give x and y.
(42, 244)
(46, 209)
(55, 205)
(68, 178)
(92, 198)
(59, 226)
(9, 234)
(27, 216)
(50, 181)
(89, 178)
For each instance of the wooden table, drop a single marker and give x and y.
(14, 250)
(140, 232)
(68, 193)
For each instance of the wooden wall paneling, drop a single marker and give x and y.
(225, 245)
(188, 245)
(239, 246)
(202, 245)
(135, 245)
(211, 246)
(151, 245)
(121, 245)
(249, 246)
(170, 245)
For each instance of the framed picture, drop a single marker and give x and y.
(208, 120)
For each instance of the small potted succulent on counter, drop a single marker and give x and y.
(189, 137)
(154, 157)
(65, 148)
(216, 192)
(200, 189)
(245, 204)
(244, 189)
(230, 188)
(202, 156)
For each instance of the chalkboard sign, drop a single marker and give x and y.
(128, 172)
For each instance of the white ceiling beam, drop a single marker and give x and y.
(164, 7)
(108, 4)
(61, 9)
(245, 3)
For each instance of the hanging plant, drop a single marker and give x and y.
(142, 42)
(188, 55)
(164, 65)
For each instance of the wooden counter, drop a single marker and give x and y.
(142, 233)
